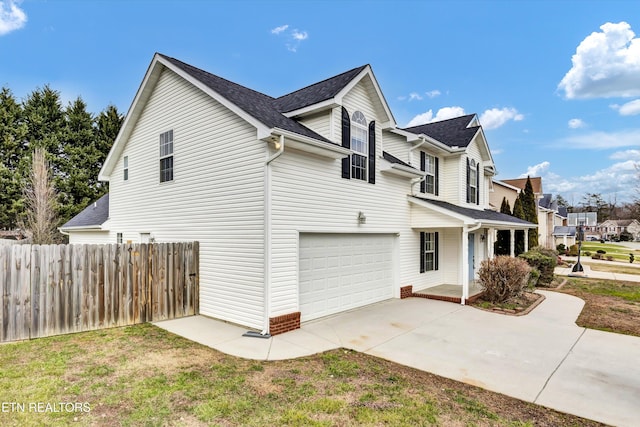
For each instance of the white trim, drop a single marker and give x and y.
(303, 143)
(401, 170)
(310, 109)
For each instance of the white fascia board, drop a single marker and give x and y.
(465, 219)
(310, 109)
(411, 137)
(401, 170)
(83, 228)
(387, 124)
(510, 225)
(505, 185)
(311, 145)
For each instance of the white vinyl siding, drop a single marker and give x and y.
(92, 237)
(319, 123)
(217, 200)
(397, 146)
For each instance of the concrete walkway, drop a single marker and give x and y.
(593, 274)
(542, 357)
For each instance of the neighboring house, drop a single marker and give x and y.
(564, 234)
(550, 216)
(544, 235)
(305, 205)
(89, 225)
(613, 227)
(502, 191)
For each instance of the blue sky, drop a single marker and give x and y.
(556, 84)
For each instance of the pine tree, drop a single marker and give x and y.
(518, 212)
(12, 135)
(108, 124)
(529, 205)
(503, 240)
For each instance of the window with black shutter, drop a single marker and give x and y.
(428, 251)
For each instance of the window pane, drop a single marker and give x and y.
(166, 169)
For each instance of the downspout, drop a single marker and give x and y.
(465, 272)
(267, 233)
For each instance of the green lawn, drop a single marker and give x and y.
(145, 376)
(618, 252)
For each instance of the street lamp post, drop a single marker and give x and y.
(580, 235)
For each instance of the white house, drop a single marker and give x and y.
(305, 205)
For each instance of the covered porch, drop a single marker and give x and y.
(472, 237)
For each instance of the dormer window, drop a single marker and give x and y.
(359, 145)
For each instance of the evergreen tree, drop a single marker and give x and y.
(79, 163)
(503, 239)
(518, 212)
(529, 206)
(108, 124)
(12, 135)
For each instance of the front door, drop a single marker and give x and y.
(472, 256)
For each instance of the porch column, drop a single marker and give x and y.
(491, 240)
(512, 242)
(526, 240)
(465, 265)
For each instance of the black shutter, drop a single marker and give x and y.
(478, 184)
(437, 181)
(422, 252)
(372, 152)
(346, 143)
(423, 167)
(468, 181)
(436, 251)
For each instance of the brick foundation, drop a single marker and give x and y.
(406, 292)
(284, 323)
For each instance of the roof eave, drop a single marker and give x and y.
(314, 108)
(311, 145)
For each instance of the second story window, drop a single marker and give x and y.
(473, 178)
(166, 156)
(126, 168)
(429, 165)
(359, 145)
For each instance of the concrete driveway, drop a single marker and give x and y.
(542, 357)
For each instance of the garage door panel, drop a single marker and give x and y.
(339, 272)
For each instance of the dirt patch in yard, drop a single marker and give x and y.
(612, 306)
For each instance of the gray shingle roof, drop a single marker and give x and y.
(93, 215)
(260, 106)
(316, 92)
(486, 214)
(545, 201)
(452, 132)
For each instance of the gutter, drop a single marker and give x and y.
(267, 236)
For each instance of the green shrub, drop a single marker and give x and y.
(561, 248)
(544, 260)
(534, 277)
(503, 277)
(596, 256)
(587, 253)
(601, 251)
(573, 250)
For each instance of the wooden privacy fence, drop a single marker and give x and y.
(58, 289)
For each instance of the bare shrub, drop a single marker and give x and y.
(40, 201)
(503, 277)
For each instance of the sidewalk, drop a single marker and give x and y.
(593, 274)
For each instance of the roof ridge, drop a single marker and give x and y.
(442, 121)
(362, 67)
(219, 77)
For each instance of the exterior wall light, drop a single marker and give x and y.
(361, 218)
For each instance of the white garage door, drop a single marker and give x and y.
(339, 272)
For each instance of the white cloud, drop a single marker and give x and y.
(606, 64)
(536, 170)
(626, 155)
(442, 114)
(576, 123)
(278, 30)
(433, 93)
(293, 37)
(554, 183)
(602, 140)
(413, 96)
(299, 35)
(494, 118)
(11, 16)
(631, 108)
